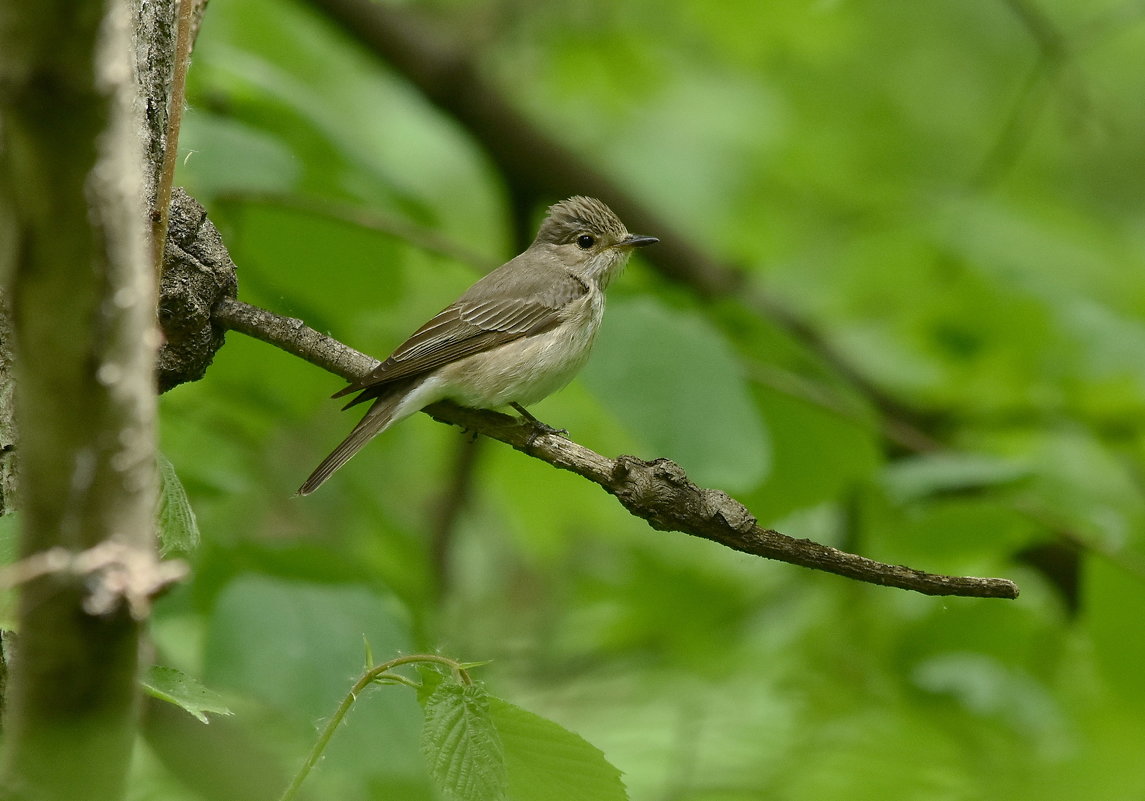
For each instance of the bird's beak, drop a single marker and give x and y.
(637, 241)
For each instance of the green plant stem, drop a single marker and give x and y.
(363, 682)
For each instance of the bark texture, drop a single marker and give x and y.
(82, 297)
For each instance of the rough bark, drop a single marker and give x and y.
(197, 274)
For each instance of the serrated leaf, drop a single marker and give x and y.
(461, 745)
(178, 530)
(176, 687)
(547, 762)
(432, 677)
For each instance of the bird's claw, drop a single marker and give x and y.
(539, 429)
(543, 429)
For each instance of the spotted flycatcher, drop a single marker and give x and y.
(514, 337)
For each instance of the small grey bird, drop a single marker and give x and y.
(514, 337)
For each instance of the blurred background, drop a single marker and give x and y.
(897, 309)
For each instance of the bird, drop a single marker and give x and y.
(515, 336)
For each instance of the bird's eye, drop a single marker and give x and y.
(585, 241)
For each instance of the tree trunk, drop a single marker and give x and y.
(80, 291)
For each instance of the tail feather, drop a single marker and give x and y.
(376, 420)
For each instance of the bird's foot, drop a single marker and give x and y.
(539, 429)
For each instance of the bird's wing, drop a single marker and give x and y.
(480, 320)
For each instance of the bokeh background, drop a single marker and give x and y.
(936, 357)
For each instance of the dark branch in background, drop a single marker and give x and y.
(426, 239)
(1052, 59)
(658, 491)
(1055, 67)
(448, 508)
(536, 167)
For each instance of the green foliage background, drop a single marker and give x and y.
(956, 209)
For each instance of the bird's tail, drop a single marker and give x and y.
(377, 419)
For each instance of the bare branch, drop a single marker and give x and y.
(293, 336)
(658, 491)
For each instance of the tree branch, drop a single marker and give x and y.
(658, 491)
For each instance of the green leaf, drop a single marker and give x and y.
(178, 531)
(369, 653)
(293, 643)
(987, 687)
(942, 473)
(547, 762)
(1115, 607)
(432, 677)
(461, 744)
(176, 687)
(254, 159)
(674, 382)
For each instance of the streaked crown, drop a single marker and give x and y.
(574, 216)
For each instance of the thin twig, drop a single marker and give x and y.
(427, 239)
(1050, 71)
(658, 491)
(161, 213)
(1020, 122)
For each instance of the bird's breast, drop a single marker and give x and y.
(528, 369)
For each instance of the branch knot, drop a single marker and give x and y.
(197, 274)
